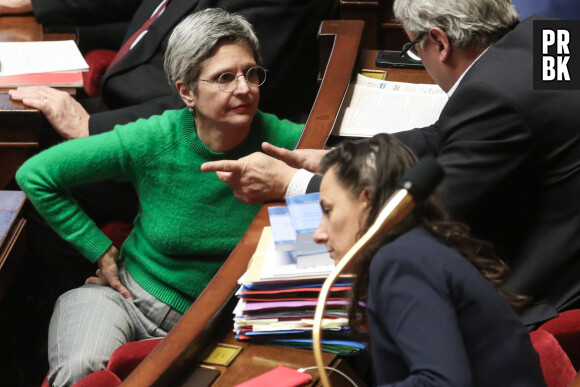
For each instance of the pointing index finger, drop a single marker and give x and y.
(222, 166)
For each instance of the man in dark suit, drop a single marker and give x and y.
(511, 154)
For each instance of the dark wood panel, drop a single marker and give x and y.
(381, 31)
(339, 40)
(24, 31)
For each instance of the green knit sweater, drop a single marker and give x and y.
(188, 221)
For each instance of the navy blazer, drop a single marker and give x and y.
(83, 12)
(435, 321)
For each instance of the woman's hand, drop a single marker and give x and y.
(65, 114)
(108, 273)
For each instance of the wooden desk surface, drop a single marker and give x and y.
(257, 359)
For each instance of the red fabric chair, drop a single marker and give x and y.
(98, 61)
(566, 329)
(128, 356)
(117, 232)
(123, 361)
(556, 366)
(102, 378)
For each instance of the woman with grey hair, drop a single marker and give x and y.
(188, 220)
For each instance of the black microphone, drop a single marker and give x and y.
(422, 179)
(415, 186)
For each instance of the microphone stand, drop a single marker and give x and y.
(416, 186)
(397, 207)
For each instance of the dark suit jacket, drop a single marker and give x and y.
(512, 162)
(80, 12)
(558, 9)
(137, 87)
(434, 319)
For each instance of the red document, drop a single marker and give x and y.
(57, 79)
(280, 376)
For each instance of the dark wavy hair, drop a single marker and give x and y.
(379, 163)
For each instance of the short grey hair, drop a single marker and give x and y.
(195, 38)
(465, 22)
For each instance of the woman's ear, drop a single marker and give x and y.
(364, 202)
(185, 93)
(365, 198)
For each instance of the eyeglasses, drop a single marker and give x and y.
(228, 82)
(409, 48)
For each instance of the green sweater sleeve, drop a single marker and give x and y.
(47, 177)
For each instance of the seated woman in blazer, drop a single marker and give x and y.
(188, 221)
(434, 308)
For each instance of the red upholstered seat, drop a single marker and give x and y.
(123, 361)
(102, 378)
(128, 356)
(566, 329)
(556, 366)
(98, 61)
(117, 232)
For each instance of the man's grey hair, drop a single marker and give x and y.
(195, 38)
(465, 22)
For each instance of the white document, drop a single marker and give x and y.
(40, 57)
(374, 106)
(280, 265)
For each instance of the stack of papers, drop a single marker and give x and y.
(373, 106)
(293, 227)
(277, 301)
(51, 63)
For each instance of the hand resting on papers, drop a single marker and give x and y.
(65, 114)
